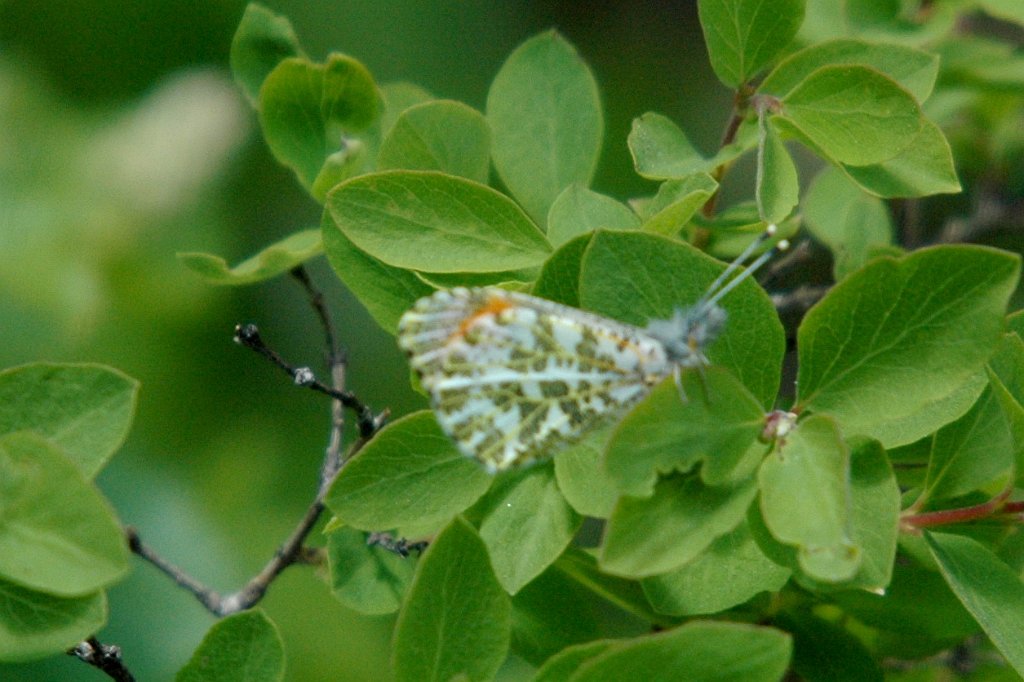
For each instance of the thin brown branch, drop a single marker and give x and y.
(103, 657)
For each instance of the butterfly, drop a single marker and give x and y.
(512, 377)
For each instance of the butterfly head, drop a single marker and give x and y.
(688, 332)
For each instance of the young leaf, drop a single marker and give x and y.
(58, 534)
(924, 167)
(637, 277)
(903, 334)
(245, 647)
(987, 587)
(743, 36)
(528, 526)
(278, 258)
(717, 425)
(676, 202)
(777, 186)
(731, 571)
(35, 625)
(578, 210)
(85, 409)
(370, 580)
(648, 536)
(805, 499)
(582, 478)
(853, 114)
(263, 39)
(661, 150)
(456, 619)
(386, 291)
(429, 221)
(705, 650)
(546, 117)
(306, 109)
(874, 514)
(914, 69)
(441, 135)
(846, 220)
(410, 474)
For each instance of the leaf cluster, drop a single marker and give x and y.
(806, 549)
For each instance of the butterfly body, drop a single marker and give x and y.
(512, 377)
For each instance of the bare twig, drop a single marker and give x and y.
(248, 335)
(292, 550)
(400, 546)
(104, 657)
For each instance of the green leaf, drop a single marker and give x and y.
(637, 277)
(648, 536)
(846, 220)
(528, 525)
(59, 535)
(554, 612)
(924, 167)
(386, 291)
(559, 278)
(982, 64)
(370, 580)
(1007, 368)
(731, 571)
(578, 210)
(397, 97)
(805, 499)
(901, 335)
(914, 69)
(581, 567)
(441, 135)
(546, 117)
(410, 474)
(1010, 10)
(278, 258)
(717, 425)
(705, 650)
(824, 651)
(306, 111)
(987, 587)
(36, 625)
(743, 36)
(561, 666)
(676, 202)
(874, 514)
(245, 647)
(777, 186)
(456, 619)
(917, 603)
(85, 409)
(582, 477)
(428, 221)
(976, 452)
(852, 114)
(661, 151)
(263, 39)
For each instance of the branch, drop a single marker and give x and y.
(292, 550)
(104, 657)
(801, 298)
(248, 335)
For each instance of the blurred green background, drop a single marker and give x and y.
(124, 141)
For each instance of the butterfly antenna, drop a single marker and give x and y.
(717, 290)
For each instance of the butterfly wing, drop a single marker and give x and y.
(512, 377)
